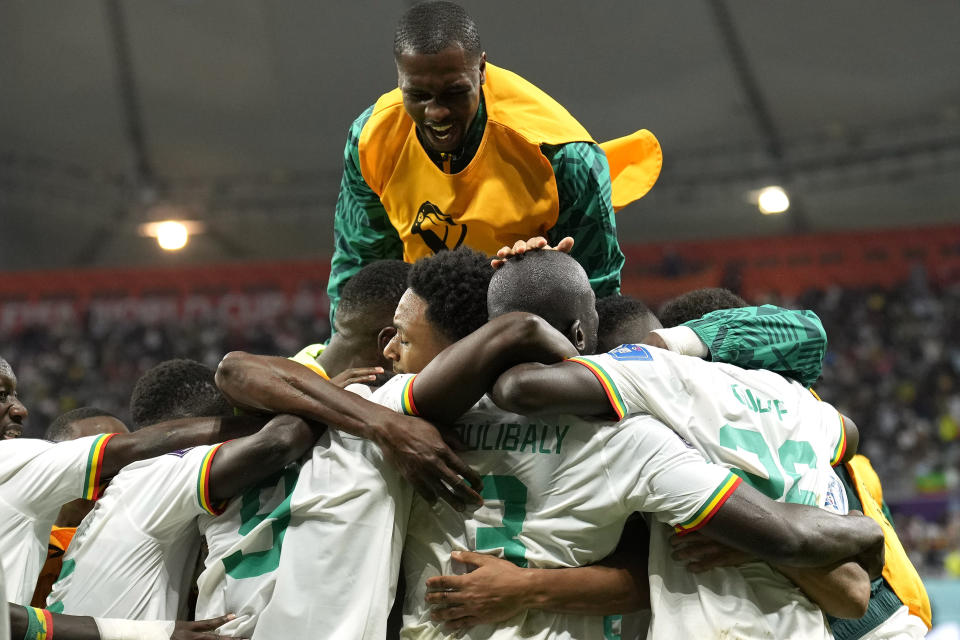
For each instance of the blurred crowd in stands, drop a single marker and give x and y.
(893, 365)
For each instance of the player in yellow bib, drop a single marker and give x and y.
(464, 153)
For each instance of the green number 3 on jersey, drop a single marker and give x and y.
(248, 565)
(513, 494)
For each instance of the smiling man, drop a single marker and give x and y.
(12, 411)
(463, 153)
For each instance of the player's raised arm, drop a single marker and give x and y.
(123, 448)
(463, 372)
(534, 389)
(414, 445)
(244, 462)
(718, 325)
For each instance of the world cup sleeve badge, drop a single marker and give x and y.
(630, 352)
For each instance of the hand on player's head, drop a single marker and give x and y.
(533, 244)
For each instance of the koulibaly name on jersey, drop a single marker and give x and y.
(512, 436)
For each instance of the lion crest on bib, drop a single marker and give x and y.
(437, 229)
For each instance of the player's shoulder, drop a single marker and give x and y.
(21, 446)
(18, 451)
(14, 454)
(391, 391)
(645, 434)
(356, 127)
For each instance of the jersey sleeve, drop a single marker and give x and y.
(586, 212)
(362, 231)
(42, 476)
(652, 470)
(633, 376)
(834, 430)
(175, 489)
(397, 394)
(787, 341)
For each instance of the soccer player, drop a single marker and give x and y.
(12, 410)
(132, 556)
(77, 423)
(530, 462)
(366, 304)
(463, 153)
(38, 477)
(621, 318)
(346, 496)
(281, 385)
(899, 606)
(789, 342)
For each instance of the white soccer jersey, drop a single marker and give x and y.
(557, 491)
(770, 427)
(243, 552)
(36, 479)
(4, 612)
(132, 556)
(782, 438)
(314, 555)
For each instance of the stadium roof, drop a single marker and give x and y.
(234, 112)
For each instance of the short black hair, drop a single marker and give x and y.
(696, 304)
(550, 284)
(370, 296)
(5, 368)
(60, 429)
(454, 286)
(174, 389)
(431, 27)
(616, 313)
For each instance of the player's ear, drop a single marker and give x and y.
(483, 67)
(576, 336)
(384, 337)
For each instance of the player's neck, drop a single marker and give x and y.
(338, 356)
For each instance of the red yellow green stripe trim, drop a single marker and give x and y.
(406, 399)
(91, 478)
(711, 506)
(203, 483)
(616, 401)
(39, 624)
(48, 618)
(841, 449)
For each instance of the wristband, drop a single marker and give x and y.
(117, 629)
(39, 624)
(683, 340)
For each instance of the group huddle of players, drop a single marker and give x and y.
(596, 479)
(482, 449)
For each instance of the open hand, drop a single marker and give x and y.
(533, 244)
(363, 375)
(700, 553)
(492, 592)
(418, 450)
(184, 630)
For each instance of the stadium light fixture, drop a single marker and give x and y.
(772, 200)
(171, 235)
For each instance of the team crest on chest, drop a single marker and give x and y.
(437, 229)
